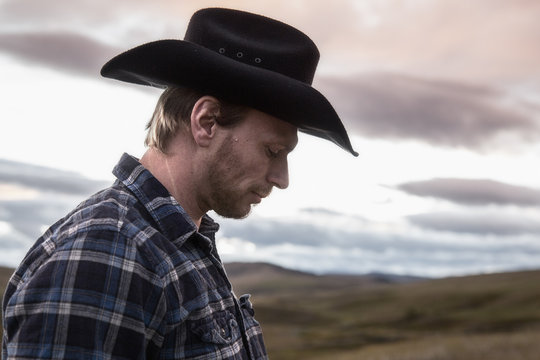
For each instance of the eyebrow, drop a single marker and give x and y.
(287, 145)
(282, 139)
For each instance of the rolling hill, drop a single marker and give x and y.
(376, 316)
(495, 316)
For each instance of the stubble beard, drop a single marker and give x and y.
(225, 197)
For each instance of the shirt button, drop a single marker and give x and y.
(223, 332)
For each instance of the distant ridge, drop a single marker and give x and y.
(244, 268)
(264, 278)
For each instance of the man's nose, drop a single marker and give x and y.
(278, 175)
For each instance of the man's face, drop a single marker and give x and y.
(249, 160)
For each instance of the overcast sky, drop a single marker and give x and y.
(440, 97)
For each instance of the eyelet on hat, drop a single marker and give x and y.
(221, 50)
(258, 60)
(239, 54)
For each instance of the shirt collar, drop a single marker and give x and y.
(171, 218)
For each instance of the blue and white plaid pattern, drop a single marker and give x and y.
(126, 275)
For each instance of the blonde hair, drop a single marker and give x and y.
(173, 111)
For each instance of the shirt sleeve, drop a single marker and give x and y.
(95, 298)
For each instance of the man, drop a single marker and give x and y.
(133, 272)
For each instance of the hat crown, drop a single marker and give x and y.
(255, 40)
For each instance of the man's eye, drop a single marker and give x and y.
(272, 153)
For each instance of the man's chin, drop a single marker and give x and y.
(237, 214)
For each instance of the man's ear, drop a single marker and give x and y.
(203, 120)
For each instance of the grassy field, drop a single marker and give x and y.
(487, 317)
(477, 317)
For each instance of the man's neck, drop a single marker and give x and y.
(172, 171)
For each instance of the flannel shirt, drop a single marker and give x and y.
(127, 275)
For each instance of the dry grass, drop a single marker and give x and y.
(486, 317)
(513, 346)
(5, 274)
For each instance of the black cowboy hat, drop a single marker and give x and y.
(242, 58)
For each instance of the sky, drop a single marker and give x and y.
(441, 99)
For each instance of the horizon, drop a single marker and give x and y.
(395, 278)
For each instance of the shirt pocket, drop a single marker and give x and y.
(218, 329)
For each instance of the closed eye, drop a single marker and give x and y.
(272, 153)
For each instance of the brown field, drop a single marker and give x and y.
(304, 316)
(485, 317)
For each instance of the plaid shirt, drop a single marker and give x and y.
(126, 275)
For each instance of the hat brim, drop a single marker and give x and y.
(176, 62)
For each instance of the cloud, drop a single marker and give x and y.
(39, 195)
(322, 247)
(483, 224)
(473, 191)
(428, 37)
(33, 198)
(440, 38)
(60, 13)
(367, 236)
(67, 52)
(484, 219)
(123, 22)
(30, 217)
(442, 113)
(321, 211)
(45, 179)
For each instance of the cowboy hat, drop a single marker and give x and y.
(242, 58)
